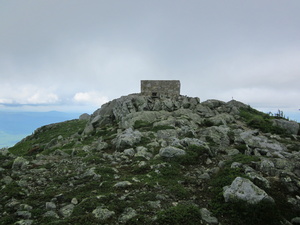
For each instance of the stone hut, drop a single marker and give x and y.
(160, 88)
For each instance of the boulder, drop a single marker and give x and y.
(217, 134)
(24, 222)
(268, 167)
(103, 213)
(204, 111)
(213, 103)
(206, 216)
(171, 152)
(67, 210)
(221, 119)
(52, 214)
(243, 189)
(143, 152)
(253, 140)
(291, 127)
(84, 116)
(122, 184)
(296, 220)
(128, 214)
(145, 116)
(20, 163)
(126, 139)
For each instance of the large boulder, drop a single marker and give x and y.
(171, 152)
(217, 134)
(20, 163)
(126, 139)
(254, 140)
(242, 189)
(291, 127)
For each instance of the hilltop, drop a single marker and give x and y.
(156, 160)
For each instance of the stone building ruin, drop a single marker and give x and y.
(160, 88)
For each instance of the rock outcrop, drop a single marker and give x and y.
(143, 160)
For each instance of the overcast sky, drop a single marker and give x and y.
(76, 55)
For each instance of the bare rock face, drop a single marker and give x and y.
(290, 127)
(244, 190)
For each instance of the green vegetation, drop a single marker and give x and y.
(45, 135)
(180, 214)
(138, 124)
(260, 120)
(240, 212)
(194, 155)
(162, 127)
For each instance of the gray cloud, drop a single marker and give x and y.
(63, 53)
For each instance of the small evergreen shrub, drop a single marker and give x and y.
(193, 155)
(178, 215)
(141, 124)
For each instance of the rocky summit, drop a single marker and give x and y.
(156, 160)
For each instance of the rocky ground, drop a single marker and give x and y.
(141, 160)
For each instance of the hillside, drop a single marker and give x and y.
(143, 160)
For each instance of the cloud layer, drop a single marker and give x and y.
(75, 55)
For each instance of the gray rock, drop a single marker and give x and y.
(206, 216)
(128, 138)
(291, 127)
(221, 119)
(251, 138)
(204, 176)
(268, 167)
(235, 165)
(51, 214)
(170, 152)
(24, 214)
(102, 145)
(88, 129)
(154, 204)
(25, 207)
(143, 152)
(218, 134)
(24, 222)
(128, 214)
(296, 220)
(102, 213)
(74, 201)
(20, 163)
(7, 180)
(122, 184)
(84, 116)
(67, 210)
(213, 103)
(243, 189)
(129, 152)
(232, 152)
(146, 116)
(204, 111)
(258, 179)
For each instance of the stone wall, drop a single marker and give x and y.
(160, 88)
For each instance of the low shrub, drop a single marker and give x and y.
(193, 155)
(180, 214)
(260, 120)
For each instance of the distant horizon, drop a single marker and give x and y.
(28, 121)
